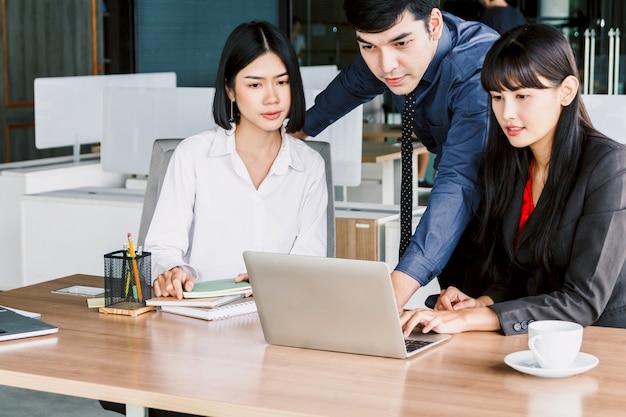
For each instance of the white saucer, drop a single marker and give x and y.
(525, 362)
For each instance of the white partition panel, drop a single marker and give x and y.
(345, 135)
(317, 77)
(68, 110)
(608, 114)
(346, 138)
(134, 117)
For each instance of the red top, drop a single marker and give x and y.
(527, 202)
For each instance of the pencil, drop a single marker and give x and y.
(126, 272)
(131, 248)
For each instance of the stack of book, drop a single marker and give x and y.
(210, 300)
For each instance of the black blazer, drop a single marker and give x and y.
(590, 252)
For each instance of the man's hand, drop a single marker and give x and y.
(403, 288)
(454, 299)
(172, 283)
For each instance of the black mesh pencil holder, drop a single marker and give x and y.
(126, 279)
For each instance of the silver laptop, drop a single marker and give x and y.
(341, 305)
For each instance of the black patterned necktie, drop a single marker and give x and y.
(406, 185)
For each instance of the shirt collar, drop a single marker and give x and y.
(224, 144)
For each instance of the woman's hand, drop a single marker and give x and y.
(244, 277)
(172, 283)
(449, 321)
(444, 321)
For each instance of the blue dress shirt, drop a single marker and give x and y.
(451, 120)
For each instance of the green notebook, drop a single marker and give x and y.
(217, 288)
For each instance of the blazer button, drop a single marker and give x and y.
(517, 327)
(524, 325)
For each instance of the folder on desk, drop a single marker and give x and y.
(16, 326)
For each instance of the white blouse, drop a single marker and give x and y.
(209, 211)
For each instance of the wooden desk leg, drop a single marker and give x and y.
(388, 183)
(133, 410)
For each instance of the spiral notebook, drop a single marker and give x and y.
(236, 308)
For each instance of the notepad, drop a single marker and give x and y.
(237, 308)
(217, 288)
(82, 290)
(16, 326)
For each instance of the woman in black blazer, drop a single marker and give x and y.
(549, 241)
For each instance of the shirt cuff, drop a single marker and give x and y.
(414, 266)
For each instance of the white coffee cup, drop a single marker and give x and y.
(554, 343)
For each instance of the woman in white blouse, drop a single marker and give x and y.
(247, 184)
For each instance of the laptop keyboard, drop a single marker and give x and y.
(413, 345)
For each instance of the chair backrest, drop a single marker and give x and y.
(324, 149)
(162, 150)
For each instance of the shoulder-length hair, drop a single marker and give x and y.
(246, 43)
(518, 60)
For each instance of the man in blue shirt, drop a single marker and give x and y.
(411, 45)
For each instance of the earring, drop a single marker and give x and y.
(232, 116)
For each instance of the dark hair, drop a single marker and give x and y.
(246, 43)
(375, 16)
(516, 61)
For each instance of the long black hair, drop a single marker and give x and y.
(246, 43)
(518, 60)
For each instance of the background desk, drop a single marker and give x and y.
(225, 369)
(91, 221)
(381, 161)
(29, 177)
(379, 132)
(69, 231)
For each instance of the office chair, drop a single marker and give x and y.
(324, 149)
(162, 150)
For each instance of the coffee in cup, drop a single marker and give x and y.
(554, 343)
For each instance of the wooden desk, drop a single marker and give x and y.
(378, 132)
(384, 151)
(386, 154)
(360, 234)
(225, 369)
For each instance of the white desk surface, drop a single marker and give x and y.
(91, 195)
(47, 163)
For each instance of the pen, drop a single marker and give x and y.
(131, 248)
